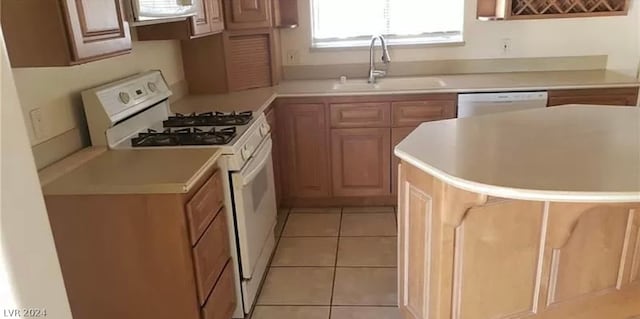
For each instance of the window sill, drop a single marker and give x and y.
(365, 46)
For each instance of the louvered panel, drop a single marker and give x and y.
(249, 62)
(566, 8)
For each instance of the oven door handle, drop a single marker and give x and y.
(257, 163)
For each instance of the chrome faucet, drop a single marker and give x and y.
(373, 73)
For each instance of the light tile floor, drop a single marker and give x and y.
(332, 263)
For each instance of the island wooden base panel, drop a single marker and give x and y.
(464, 255)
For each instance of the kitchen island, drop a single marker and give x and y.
(526, 214)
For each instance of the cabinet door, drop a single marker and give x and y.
(201, 22)
(247, 14)
(96, 28)
(413, 113)
(275, 149)
(611, 96)
(248, 59)
(372, 114)
(360, 161)
(397, 135)
(415, 219)
(305, 150)
(216, 17)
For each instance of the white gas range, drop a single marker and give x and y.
(134, 113)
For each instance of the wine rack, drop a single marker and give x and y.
(547, 8)
(541, 9)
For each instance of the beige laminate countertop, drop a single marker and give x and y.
(258, 100)
(155, 171)
(569, 153)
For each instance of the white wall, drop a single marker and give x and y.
(56, 92)
(616, 37)
(30, 274)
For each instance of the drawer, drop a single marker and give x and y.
(412, 113)
(203, 206)
(210, 255)
(374, 114)
(221, 303)
(610, 96)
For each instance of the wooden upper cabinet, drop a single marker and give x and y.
(360, 161)
(285, 13)
(231, 61)
(63, 32)
(611, 96)
(216, 16)
(305, 149)
(97, 28)
(207, 21)
(247, 14)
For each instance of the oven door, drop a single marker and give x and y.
(255, 206)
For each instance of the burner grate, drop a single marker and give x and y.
(209, 119)
(184, 136)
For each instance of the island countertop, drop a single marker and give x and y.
(565, 154)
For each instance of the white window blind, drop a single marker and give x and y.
(352, 22)
(164, 8)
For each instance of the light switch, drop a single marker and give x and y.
(37, 123)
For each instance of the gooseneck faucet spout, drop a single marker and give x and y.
(386, 58)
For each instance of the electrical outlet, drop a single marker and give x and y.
(293, 57)
(37, 123)
(506, 46)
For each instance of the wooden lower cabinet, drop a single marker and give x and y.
(466, 255)
(305, 148)
(222, 300)
(338, 150)
(433, 107)
(275, 151)
(397, 135)
(360, 159)
(609, 96)
(132, 256)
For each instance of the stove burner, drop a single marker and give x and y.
(184, 136)
(208, 119)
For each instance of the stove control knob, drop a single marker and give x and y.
(152, 86)
(264, 129)
(124, 97)
(244, 152)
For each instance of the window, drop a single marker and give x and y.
(348, 23)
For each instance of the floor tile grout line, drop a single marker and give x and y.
(335, 264)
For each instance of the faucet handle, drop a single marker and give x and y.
(379, 73)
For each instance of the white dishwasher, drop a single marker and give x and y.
(471, 104)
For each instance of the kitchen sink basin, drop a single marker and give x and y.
(391, 84)
(355, 85)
